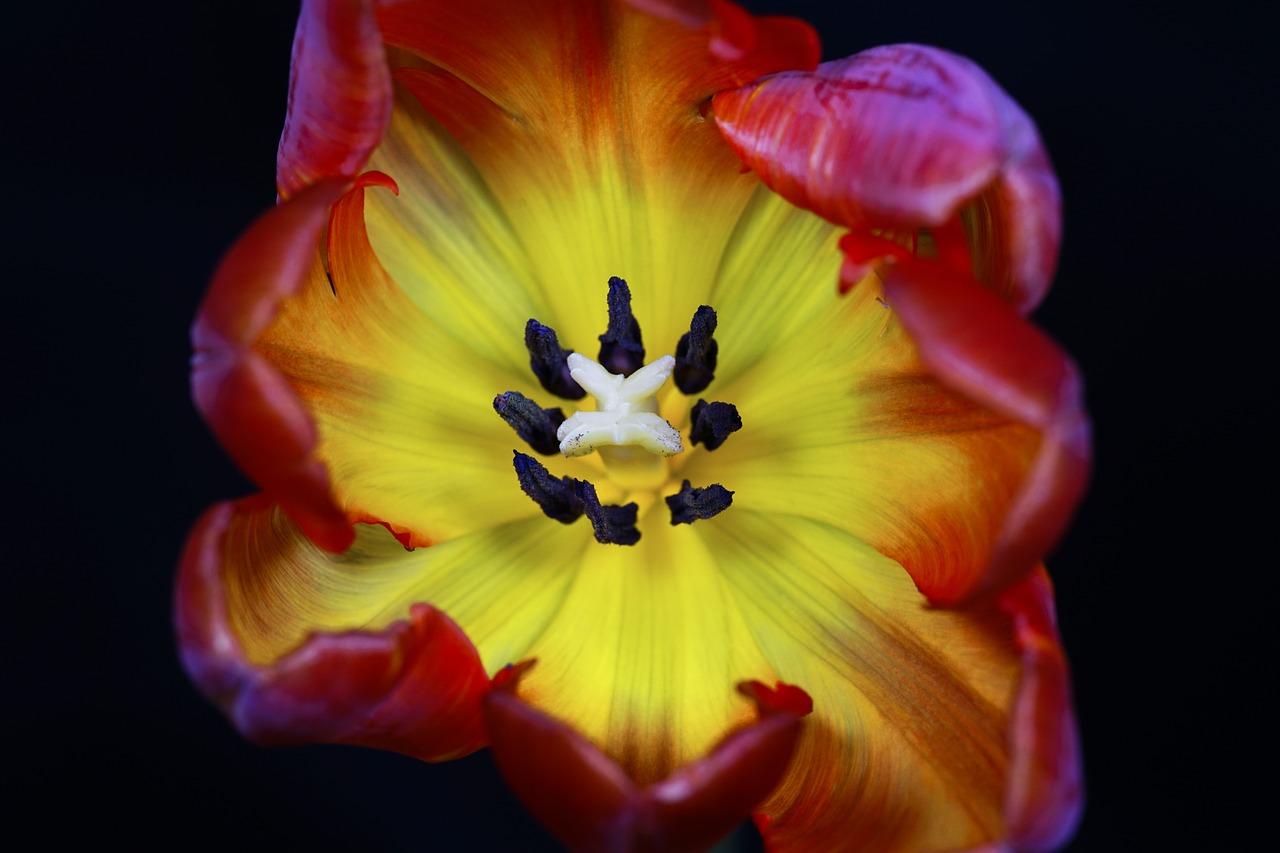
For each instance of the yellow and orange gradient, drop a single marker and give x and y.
(910, 448)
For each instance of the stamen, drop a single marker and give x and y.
(549, 361)
(558, 498)
(690, 504)
(531, 422)
(567, 499)
(614, 525)
(621, 350)
(713, 423)
(696, 353)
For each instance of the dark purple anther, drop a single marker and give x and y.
(696, 353)
(690, 504)
(531, 422)
(550, 361)
(713, 423)
(621, 349)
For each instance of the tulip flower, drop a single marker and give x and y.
(638, 398)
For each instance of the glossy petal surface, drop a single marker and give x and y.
(907, 137)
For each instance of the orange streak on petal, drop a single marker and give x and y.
(981, 347)
(464, 112)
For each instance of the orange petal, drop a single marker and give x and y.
(906, 136)
(413, 687)
(257, 417)
(339, 95)
(589, 803)
(982, 348)
(735, 32)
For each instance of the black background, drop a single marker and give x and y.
(139, 139)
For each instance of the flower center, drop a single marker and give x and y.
(625, 429)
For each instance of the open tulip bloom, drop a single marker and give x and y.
(639, 398)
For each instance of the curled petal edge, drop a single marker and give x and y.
(340, 95)
(1045, 793)
(413, 687)
(256, 416)
(1043, 787)
(913, 147)
(981, 347)
(594, 806)
(906, 137)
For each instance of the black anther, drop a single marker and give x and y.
(558, 498)
(696, 353)
(531, 422)
(567, 499)
(614, 525)
(713, 423)
(621, 349)
(690, 504)
(550, 361)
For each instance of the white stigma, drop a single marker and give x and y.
(626, 410)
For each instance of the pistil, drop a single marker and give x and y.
(630, 436)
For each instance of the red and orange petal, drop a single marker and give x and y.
(339, 95)
(253, 411)
(906, 137)
(1045, 792)
(452, 82)
(944, 181)
(412, 687)
(588, 801)
(978, 345)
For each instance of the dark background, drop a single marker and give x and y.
(139, 139)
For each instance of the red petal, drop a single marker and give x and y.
(246, 401)
(586, 800)
(982, 348)
(414, 687)
(702, 802)
(568, 784)
(905, 136)
(339, 94)
(1046, 789)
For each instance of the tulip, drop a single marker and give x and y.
(638, 398)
